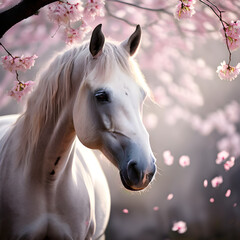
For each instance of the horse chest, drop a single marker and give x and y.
(31, 210)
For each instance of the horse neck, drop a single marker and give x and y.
(44, 155)
(46, 132)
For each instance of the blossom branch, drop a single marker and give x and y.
(140, 7)
(219, 15)
(17, 75)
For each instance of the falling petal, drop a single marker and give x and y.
(156, 208)
(228, 193)
(125, 210)
(184, 161)
(170, 196)
(205, 183)
(211, 200)
(180, 227)
(168, 158)
(217, 181)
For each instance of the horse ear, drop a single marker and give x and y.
(97, 41)
(131, 45)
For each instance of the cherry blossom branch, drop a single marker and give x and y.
(116, 17)
(219, 15)
(140, 7)
(17, 75)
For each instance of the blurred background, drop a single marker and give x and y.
(195, 114)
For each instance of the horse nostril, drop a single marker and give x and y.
(135, 175)
(151, 174)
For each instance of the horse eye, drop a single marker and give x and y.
(102, 96)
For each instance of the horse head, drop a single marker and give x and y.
(107, 112)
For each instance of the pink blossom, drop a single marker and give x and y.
(170, 196)
(211, 200)
(73, 35)
(235, 204)
(180, 227)
(18, 63)
(184, 161)
(125, 210)
(227, 72)
(205, 183)
(184, 9)
(64, 12)
(222, 156)
(217, 181)
(229, 164)
(233, 35)
(168, 158)
(228, 193)
(94, 8)
(156, 208)
(20, 89)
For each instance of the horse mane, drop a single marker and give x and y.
(55, 87)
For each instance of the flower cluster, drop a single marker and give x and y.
(64, 12)
(72, 34)
(94, 8)
(227, 72)
(20, 89)
(22, 63)
(184, 9)
(232, 31)
(14, 64)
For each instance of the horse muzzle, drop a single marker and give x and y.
(134, 178)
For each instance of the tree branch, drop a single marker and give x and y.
(17, 13)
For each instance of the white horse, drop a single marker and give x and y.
(51, 186)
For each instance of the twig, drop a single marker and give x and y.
(140, 7)
(218, 13)
(17, 75)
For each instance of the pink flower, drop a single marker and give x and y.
(170, 196)
(73, 35)
(211, 200)
(228, 193)
(227, 72)
(205, 183)
(217, 181)
(94, 8)
(125, 210)
(233, 35)
(184, 9)
(168, 158)
(156, 208)
(222, 156)
(180, 227)
(18, 63)
(20, 89)
(64, 12)
(184, 161)
(229, 164)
